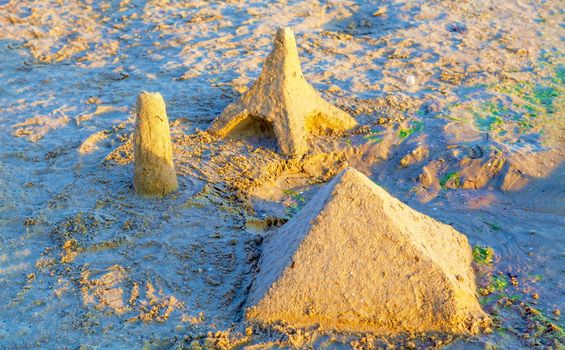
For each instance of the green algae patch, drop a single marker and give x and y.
(415, 127)
(296, 202)
(450, 181)
(483, 255)
(373, 137)
(508, 297)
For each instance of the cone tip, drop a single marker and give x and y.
(149, 97)
(149, 94)
(285, 32)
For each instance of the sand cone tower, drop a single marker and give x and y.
(282, 100)
(154, 175)
(357, 259)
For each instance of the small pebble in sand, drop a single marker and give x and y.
(380, 11)
(215, 235)
(535, 296)
(94, 100)
(457, 28)
(556, 312)
(30, 221)
(212, 281)
(411, 80)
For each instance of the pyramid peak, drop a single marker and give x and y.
(352, 174)
(364, 185)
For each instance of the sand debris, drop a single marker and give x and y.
(91, 143)
(357, 259)
(110, 291)
(105, 292)
(35, 128)
(415, 156)
(282, 103)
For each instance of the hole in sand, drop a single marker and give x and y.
(254, 130)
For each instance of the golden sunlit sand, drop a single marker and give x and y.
(154, 172)
(356, 259)
(304, 174)
(282, 103)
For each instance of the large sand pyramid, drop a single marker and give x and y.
(282, 102)
(357, 259)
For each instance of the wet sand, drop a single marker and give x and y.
(461, 114)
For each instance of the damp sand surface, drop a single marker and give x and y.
(460, 106)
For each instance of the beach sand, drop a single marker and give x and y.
(460, 113)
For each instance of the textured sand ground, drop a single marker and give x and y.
(461, 113)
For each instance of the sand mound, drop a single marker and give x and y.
(357, 259)
(282, 103)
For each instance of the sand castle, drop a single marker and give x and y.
(357, 259)
(154, 173)
(354, 258)
(283, 103)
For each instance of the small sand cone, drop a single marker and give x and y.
(284, 100)
(154, 171)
